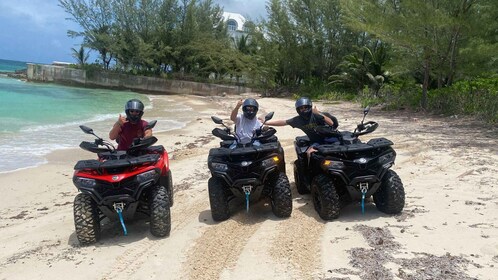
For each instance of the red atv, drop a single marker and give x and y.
(120, 183)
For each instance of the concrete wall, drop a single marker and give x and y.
(70, 76)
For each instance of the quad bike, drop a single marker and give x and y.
(120, 183)
(347, 170)
(248, 171)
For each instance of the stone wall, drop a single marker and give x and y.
(70, 76)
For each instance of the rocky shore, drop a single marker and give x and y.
(18, 74)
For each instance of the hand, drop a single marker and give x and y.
(315, 110)
(121, 120)
(240, 102)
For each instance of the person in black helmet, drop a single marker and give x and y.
(307, 119)
(247, 122)
(130, 127)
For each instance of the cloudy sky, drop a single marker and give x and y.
(36, 30)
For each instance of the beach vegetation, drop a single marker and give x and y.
(395, 53)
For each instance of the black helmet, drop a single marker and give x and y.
(304, 101)
(134, 104)
(250, 102)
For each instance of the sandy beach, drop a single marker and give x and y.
(447, 230)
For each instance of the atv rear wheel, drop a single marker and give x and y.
(325, 197)
(299, 180)
(281, 198)
(86, 219)
(218, 199)
(390, 197)
(160, 215)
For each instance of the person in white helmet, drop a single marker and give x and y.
(246, 123)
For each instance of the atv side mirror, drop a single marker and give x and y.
(86, 129)
(269, 116)
(150, 125)
(217, 120)
(366, 110)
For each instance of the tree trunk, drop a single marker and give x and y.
(425, 85)
(453, 55)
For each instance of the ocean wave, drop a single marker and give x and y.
(45, 127)
(13, 167)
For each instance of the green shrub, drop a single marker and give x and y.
(478, 97)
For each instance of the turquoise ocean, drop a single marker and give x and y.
(38, 118)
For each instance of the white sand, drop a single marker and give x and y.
(448, 229)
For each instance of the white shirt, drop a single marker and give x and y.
(245, 128)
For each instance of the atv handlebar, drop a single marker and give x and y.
(100, 145)
(227, 134)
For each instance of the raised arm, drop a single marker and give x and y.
(327, 120)
(116, 128)
(235, 110)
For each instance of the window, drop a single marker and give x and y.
(232, 25)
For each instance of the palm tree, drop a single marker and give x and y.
(81, 56)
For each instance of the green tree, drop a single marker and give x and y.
(308, 39)
(96, 18)
(428, 33)
(80, 55)
(364, 67)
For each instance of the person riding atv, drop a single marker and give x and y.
(247, 171)
(347, 170)
(120, 183)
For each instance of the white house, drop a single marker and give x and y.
(236, 24)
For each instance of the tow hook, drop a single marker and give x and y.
(119, 206)
(364, 190)
(247, 191)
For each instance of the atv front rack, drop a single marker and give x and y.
(93, 164)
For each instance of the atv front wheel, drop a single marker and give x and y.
(218, 199)
(170, 189)
(86, 219)
(390, 197)
(299, 180)
(325, 197)
(160, 216)
(281, 198)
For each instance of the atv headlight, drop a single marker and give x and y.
(387, 159)
(85, 182)
(221, 167)
(331, 164)
(270, 161)
(146, 176)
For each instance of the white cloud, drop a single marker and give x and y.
(42, 13)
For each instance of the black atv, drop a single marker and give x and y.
(345, 170)
(248, 171)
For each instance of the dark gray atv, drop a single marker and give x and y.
(346, 170)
